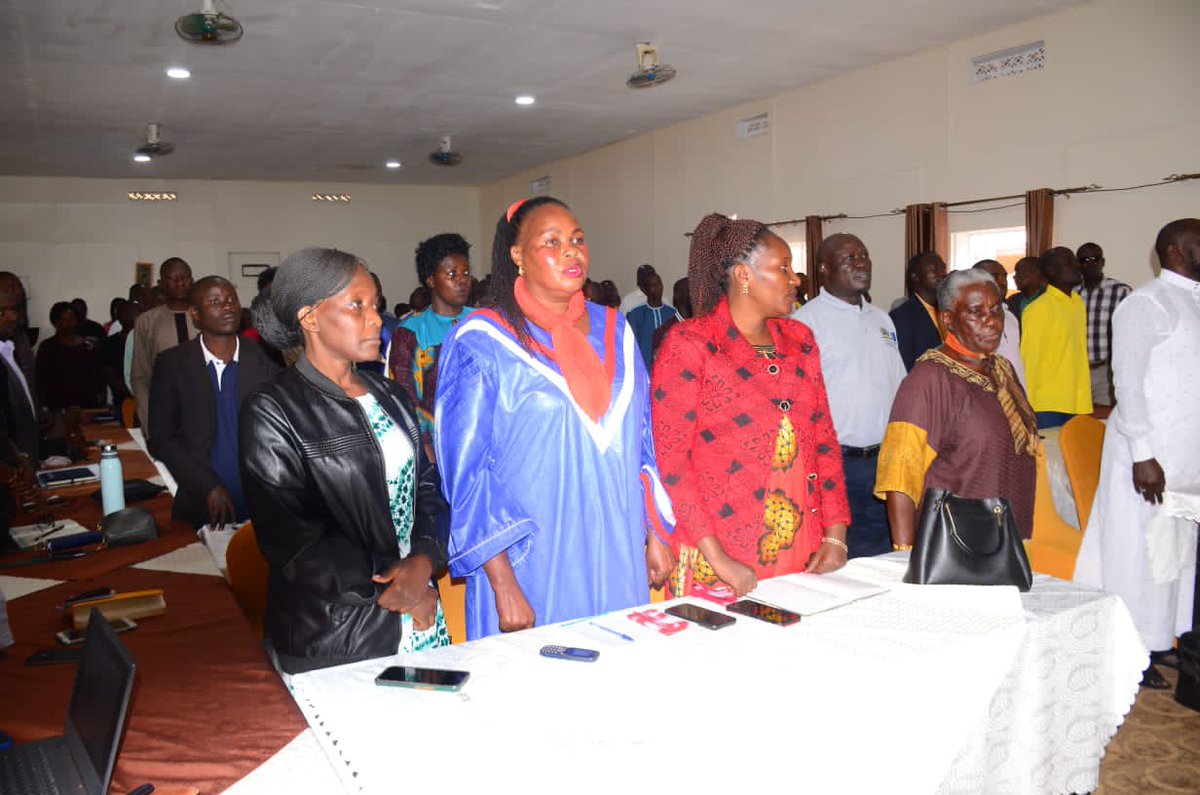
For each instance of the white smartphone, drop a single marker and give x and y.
(73, 637)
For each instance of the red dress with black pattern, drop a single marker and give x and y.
(746, 446)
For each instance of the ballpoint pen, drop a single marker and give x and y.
(611, 631)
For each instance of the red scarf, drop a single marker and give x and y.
(589, 380)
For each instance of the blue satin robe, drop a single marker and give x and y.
(527, 472)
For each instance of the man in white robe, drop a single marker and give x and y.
(1140, 540)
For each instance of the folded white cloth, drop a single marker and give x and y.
(1171, 534)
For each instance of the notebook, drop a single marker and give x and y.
(68, 476)
(82, 760)
(807, 594)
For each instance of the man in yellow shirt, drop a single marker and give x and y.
(1054, 344)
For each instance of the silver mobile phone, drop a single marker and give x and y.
(73, 637)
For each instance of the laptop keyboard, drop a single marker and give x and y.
(27, 771)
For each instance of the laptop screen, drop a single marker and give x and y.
(99, 701)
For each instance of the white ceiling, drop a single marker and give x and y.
(327, 90)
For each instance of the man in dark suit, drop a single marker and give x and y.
(916, 319)
(18, 422)
(195, 393)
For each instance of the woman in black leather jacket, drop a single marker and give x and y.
(347, 508)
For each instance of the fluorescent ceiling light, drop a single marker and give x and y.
(179, 73)
(526, 99)
(393, 164)
(141, 158)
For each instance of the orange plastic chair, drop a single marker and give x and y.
(1082, 441)
(247, 571)
(129, 412)
(453, 592)
(1055, 544)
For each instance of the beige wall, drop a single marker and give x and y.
(81, 237)
(1116, 104)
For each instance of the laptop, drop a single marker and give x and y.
(81, 761)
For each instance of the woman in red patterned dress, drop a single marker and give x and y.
(746, 446)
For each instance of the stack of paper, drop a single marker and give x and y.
(812, 593)
(30, 535)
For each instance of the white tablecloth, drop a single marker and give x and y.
(1075, 678)
(799, 706)
(919, 690)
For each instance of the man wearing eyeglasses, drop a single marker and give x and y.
(1101, 296)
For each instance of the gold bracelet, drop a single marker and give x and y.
(901, 547)
(835, 541)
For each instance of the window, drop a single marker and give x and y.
(799, 255)
(1006, 246)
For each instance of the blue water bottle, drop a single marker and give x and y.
(112, 482)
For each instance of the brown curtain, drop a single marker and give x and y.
(1039, 221)
(813, 235)
(926, 228)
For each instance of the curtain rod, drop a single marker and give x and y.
(1093, 188)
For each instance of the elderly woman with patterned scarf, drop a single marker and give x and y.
(746, 444)
(960, 420)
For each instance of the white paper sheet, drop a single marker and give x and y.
(16, 587)
(807, 594)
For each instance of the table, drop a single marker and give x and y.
(906, 692)
(207, 706)
(980, 691)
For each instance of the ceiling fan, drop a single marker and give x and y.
(208, 26)
(154, 146)
(649, 72)
(445, 154)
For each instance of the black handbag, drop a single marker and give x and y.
(962, 541)
(128, 526)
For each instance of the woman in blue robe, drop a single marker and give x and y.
(544, 439)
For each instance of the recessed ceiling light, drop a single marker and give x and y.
(393, 164)
(141, 158)
(526, 99)
(179, 73)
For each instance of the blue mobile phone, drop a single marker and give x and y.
(570, 653)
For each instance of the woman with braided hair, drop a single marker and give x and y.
(542, 432)
(746, 445)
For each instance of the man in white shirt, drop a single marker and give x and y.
(1140, 539)
(1010, 338)
(863, 369)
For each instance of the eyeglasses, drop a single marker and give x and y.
(1091, 259)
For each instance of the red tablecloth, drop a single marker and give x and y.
(207, 707)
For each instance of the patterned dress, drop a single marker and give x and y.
(400, 465)
(746, 446)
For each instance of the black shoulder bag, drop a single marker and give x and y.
(961, 541)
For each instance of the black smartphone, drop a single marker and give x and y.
(772, 615)
(53, 656)
(422, 678)
(709, 619)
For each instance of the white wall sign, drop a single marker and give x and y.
(755, 125)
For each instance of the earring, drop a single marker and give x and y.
(745, 288)
(520, 271)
